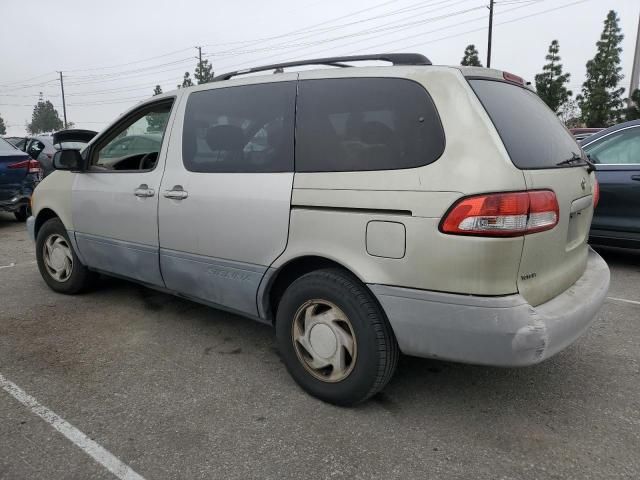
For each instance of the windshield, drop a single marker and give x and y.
(532, 134)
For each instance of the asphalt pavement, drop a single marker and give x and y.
(172, 389)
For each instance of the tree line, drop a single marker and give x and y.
(600, 102)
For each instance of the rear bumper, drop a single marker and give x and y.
(501, 331)
(14, 203)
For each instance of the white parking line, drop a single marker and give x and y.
(88, 446)
(13, 264)
(632, 302)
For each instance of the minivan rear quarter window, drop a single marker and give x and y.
(356, 124)
(532, 134)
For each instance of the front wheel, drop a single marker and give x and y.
(58, 263)
(334, 338)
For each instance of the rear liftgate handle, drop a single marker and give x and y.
(144, 191)
(176, 193)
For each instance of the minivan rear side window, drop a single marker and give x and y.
(240, 129)
(356, 124)
(532, 134)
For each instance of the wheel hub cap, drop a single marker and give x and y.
(57, 257)
(324, 340)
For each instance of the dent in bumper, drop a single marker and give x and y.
(500, 331)
(14, 203)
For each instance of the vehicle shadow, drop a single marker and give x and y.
(619, 256)
(419, 384)
(8, 220)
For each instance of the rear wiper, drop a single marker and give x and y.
(578, 158)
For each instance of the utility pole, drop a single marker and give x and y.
(635, 73)
(490, 34)
(200, 58)
(64, 105)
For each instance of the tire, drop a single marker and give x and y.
(71, 275)
(22, 214)
(360, 367)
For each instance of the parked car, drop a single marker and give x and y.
(581, 133)
(18, 177)
(616, 153)
(438, 211)
(42, 147)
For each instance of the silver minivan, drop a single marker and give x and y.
(437, 211)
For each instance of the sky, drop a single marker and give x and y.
(112, 54)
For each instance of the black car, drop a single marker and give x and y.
(616, 153)
(19, 175)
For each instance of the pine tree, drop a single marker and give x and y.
(203, 72)
(633, 110)
(157, 90)
(600, 101)
(186, 81)
(3, 128)
(44, 118)
(550, 84)
(471, 58)
(569, 114)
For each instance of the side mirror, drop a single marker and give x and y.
(68, 159)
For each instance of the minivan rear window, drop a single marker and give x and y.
(532, 134)
(356, 124)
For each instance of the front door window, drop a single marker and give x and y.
(134, 146)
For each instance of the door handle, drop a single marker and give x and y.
(144, 191)
(635, 177)
(176, 193)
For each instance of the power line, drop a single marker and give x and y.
(128, 63)
(312, 32)
(499, 23)
(138, 72)
(382, 44)
(366, 32)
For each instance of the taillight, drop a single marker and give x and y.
(503, 214)
(596, 192)
(32, 166)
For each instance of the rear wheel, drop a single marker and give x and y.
(23, 213)
(58, 263)
(334, 337)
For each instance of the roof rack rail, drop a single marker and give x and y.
(394, 58)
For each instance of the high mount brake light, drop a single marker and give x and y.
(510, 77)
(508, 214)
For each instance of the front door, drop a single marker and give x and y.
(115, 202)
(226, 193)
(618, 171)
